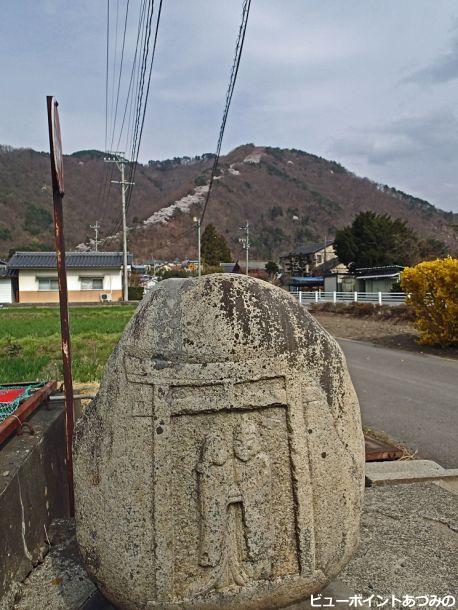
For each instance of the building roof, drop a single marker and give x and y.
(73, 260)
(366, 273)
(7, 273)
(252, 265)
(302, 281)
(309, 248)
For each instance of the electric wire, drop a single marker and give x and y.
(120, 74)
(106, 75)
(230, 90)
(153, 53)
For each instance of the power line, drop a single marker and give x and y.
(114, 61)
(230, 90)
(143, 35)
(109, 175)
(106, 75)
(120, 74)
(129, 97)
(134, 158)
(140, 83)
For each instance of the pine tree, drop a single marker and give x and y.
(376, 240)
(214, 247)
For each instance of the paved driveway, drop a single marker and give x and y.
(411, 397)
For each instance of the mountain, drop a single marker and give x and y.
(289, 197)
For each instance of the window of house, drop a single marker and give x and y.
(48, 283)
(319, 259)
(91, 283)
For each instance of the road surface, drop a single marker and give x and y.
(412, 397)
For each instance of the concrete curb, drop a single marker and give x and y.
(407, 471)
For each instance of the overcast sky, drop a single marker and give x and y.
(372, 84)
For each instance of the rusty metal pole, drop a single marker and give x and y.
(58, 193)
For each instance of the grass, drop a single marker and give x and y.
(30, 341)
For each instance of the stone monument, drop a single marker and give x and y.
(221, 463)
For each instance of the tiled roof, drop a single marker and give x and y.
(73, 260)
(308, 249)
(7, 273)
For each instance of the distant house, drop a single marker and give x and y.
(377, 279)
(240, 266)
(311, 259)
(91, 276)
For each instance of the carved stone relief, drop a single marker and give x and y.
(236, 487)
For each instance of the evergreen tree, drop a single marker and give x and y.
(214, 247)
(374, 240)
(272, 268)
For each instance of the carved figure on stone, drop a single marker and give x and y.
(254, 480)
(234, 492)
(214, 472)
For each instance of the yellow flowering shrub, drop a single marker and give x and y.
(432, 291)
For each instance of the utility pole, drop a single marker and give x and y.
(246, 242)
(96, 228)
(121, 163)
(199, 257)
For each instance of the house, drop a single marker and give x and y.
(91, 276)
(377, 279)
(7, 284)
(239, 266)
(339, 282)
(301, 284)
(311, 259)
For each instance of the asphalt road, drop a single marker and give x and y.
(412, 397)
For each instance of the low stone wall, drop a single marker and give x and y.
(33, 492)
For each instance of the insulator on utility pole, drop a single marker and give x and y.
(96, 228)
(117, 157)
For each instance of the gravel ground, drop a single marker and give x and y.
(401, 335)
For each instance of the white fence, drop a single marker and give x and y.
(379, 298)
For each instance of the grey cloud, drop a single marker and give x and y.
(443, 70)
(432, 135)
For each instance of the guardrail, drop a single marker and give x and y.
(379, 298)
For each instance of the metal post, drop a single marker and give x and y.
(246, 243)
(379, 298)
(334, 297)
(247, 246)
(125, 280)
(300, 297)
(96, 228)
(199, 256)
(355, 296)
(56, 155)
(121, 162)
(316, 296)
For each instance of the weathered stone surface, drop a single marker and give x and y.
(221, 463)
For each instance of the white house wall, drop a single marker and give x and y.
(6, 290)
(29, 292)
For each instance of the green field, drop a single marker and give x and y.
(30, 341)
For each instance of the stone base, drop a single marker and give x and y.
(407, 547)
